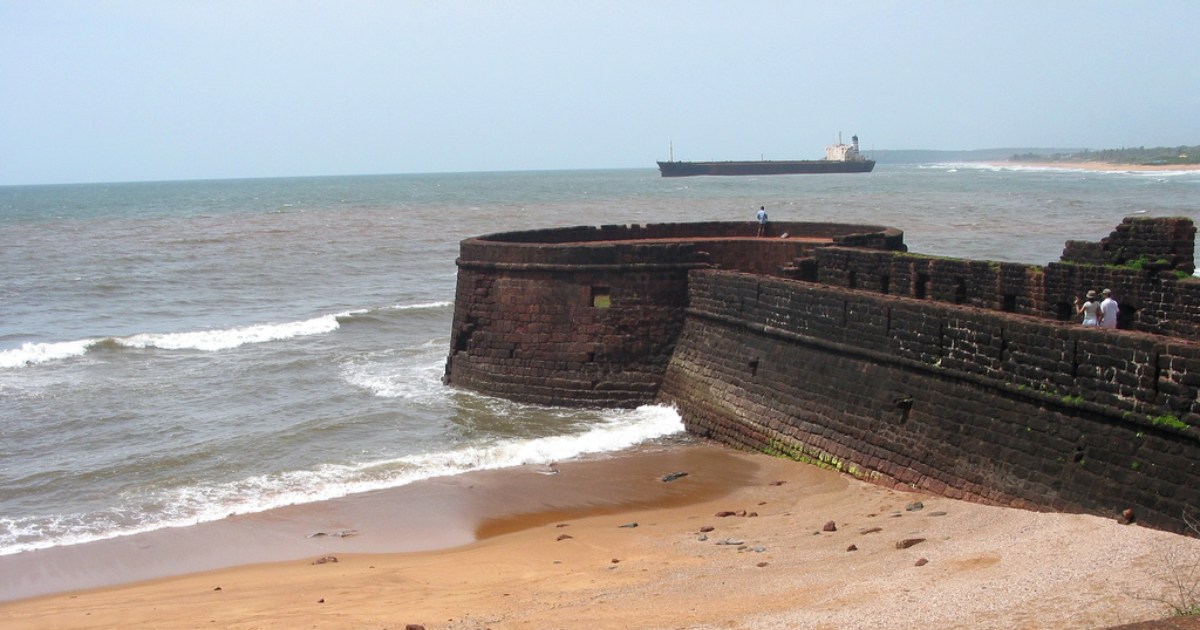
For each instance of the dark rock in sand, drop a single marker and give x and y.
(830, 526)
(920, 563)
(338, 534)
(725, 513)
(325, 559)
(852, 548)
(673, 476)
(914, 506)
(909, 542)
(563, 537)
(707, 528)
(629, 525)
(872, 530)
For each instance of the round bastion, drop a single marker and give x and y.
(589, 315)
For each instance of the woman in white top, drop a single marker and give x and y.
(1089, 309)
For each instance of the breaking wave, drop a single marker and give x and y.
(30, 354)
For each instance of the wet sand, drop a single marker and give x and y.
(608, 544)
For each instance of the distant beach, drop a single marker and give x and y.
(1097, 166)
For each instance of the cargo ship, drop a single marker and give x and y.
(839, 158)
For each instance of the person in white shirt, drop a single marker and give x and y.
(1108, 310)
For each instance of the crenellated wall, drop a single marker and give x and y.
(834, 345)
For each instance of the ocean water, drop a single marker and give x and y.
(173, 353)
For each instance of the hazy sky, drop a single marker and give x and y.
(173, 89)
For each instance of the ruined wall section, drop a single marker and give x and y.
(1143, 242)
(1155, 289)
(954, 399)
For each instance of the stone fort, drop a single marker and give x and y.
(832, 344)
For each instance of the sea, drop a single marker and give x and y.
(173, 353)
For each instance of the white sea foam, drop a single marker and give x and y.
(205, 340)
(34, 353)
(413, 374)
(216, 340)
(423, 305)
(196, 504)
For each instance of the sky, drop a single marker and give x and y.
(97, 91)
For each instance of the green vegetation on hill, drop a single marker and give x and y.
(1138, 155)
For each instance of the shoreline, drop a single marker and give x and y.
(1096, 166)
(426, 515)
(606, 543)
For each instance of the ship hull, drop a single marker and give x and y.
(764, 167)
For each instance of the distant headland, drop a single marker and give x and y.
(1156, 157)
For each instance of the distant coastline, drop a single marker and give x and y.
(1093, 166)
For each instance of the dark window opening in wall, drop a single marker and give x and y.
(1126, 316)
(754, 367)
(591, 357)
(852, 281)
(960, 292)
(601, 297)
(1064, 312)
(919, 291)
(1010, 304)
(885, 282)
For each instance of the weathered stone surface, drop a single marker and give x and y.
(967, 379)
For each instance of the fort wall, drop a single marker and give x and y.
(589, 316)
(1001, 408)
(835, 345)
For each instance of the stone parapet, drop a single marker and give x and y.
(993, 407)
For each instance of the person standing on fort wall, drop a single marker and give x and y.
(762, 220)
(1089, 309)
(1108, 310)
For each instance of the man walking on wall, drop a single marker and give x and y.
(1108, 310)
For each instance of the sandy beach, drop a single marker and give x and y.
(1099, 166)
(740, 541)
